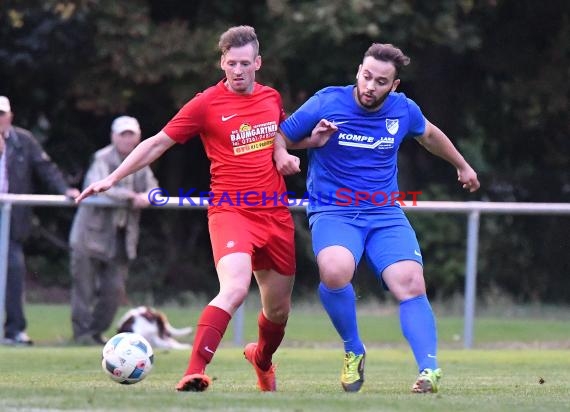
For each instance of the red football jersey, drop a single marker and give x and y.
(238, 132)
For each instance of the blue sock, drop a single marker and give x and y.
(340, 305)
(418, 327)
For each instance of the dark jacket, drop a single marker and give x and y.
(26, 162)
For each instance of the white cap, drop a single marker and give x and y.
(4, 104)
(124, 123)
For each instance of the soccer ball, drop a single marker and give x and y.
(127, 358)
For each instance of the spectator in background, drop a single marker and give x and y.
(22, 160)
(104, 240)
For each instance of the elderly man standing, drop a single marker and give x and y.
(104, 239)
(22, 162)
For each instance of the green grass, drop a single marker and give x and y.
(71, 379)
(55, 376)
(309, 326)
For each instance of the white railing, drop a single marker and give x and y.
(473, 210)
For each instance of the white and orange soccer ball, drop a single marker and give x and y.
(127, 358)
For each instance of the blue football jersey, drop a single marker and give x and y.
(357, 169)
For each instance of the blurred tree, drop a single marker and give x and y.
(492, 73)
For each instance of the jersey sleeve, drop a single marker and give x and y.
(282, 114)
(300, 124)
(417, 120)
(189, 120)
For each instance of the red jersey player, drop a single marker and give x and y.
(251, 228)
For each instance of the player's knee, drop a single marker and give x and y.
(336, 266)
(278, 314)
(335, 282)
(234, 296)
(417, 287)
(409, 286)
(335, 274)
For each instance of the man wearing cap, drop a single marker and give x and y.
(104, 239)
(22, 162)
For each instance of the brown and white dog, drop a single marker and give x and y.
(154, 326)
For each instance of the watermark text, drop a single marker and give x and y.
(341, 197)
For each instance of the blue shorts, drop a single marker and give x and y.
(383, 238)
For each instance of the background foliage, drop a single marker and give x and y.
(494, 74)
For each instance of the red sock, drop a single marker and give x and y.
(209, 332)
(270, 337)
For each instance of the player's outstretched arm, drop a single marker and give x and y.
(320, 135)
(437, 143)
(144, 154)
(288, 164)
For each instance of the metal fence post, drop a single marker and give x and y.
(239, 323)
(471, 277)
(4, 244)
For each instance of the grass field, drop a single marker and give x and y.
(53, 375)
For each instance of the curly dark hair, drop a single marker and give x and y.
(388, 53)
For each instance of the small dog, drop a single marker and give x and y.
(154, 327)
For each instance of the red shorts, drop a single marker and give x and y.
(268, 236)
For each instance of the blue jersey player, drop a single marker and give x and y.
(353, 208)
